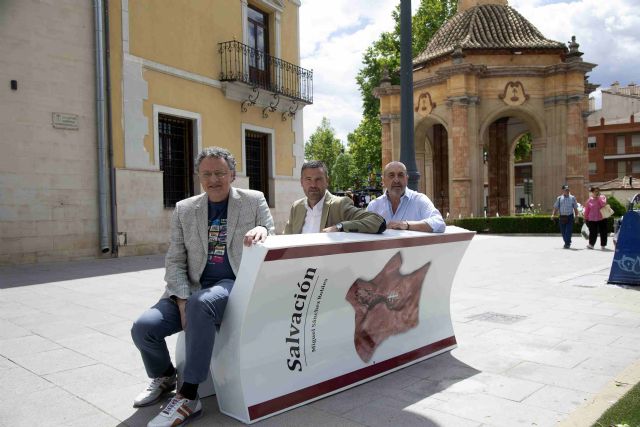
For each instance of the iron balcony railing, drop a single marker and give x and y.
(243, 63)
(612, 150)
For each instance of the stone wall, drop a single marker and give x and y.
(48, 184)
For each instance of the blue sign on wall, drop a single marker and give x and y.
(625, 269)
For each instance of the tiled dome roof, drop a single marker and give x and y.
(489, 26)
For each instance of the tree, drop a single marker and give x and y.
(343, 172)
(323, 145)
(365, 155)
(385, 53)
(523, 148)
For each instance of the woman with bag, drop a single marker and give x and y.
(595, 221)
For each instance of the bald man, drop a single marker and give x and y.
(403, 208)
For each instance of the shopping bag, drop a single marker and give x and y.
(585, 231)
(606, 211)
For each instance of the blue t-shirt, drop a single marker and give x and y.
(218, 266)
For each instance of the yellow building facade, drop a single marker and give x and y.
(197, 74)
(106, 104)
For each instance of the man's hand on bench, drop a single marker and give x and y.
(255, 235)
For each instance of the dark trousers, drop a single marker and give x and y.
(595, 228)
(566, 230)
(204, 311)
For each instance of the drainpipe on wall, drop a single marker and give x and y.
(112, 171)
(101, 121)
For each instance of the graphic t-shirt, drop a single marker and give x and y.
(218, 266)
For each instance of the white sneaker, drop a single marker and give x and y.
(156, 389)
(178, 411)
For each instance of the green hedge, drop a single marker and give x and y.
(618, 209)
(525, 224)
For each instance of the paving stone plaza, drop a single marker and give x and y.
(542, 340)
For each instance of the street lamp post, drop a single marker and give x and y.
(407, 148)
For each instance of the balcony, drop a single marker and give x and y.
(256, 71)
(612, 152)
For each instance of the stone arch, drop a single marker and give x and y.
(535, 123)
(504, 126)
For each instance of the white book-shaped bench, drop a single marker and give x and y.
(311, 315)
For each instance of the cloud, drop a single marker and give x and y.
(333, 37)
(606, 31)
(335, 33)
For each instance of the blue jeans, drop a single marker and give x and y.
(567, 230)
(204, 312)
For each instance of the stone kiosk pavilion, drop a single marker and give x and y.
(487, 77)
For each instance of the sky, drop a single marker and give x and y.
(335, 33)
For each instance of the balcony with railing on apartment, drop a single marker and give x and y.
(612, 151)
(253, 77)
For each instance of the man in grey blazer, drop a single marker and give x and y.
(321, 211)
(207, 235)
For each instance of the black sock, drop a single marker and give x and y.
(170, 371)
(188, 390)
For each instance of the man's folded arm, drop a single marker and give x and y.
(431, 216)
(359, 220)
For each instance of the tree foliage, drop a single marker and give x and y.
(385, 53)
(323, 145)
(365, 155)
(523, 148)
(618, 208)
(343, 172)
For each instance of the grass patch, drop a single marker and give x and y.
(625, 411)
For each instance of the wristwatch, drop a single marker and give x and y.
(339, 226)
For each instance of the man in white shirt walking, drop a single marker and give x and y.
(567, 207)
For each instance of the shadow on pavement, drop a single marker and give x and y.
(431, 377)
(629, 287)
(35, 274)
(142, 416)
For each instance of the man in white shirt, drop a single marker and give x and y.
(403, 208)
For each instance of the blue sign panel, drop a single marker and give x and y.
(625, 269)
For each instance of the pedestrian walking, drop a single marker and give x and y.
(567, 208)
(596, 223)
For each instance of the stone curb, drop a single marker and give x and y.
(589, 412)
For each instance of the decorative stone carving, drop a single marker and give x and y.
(514, 94)
(424, 105)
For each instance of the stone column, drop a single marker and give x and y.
(389, 97)
(387, 143)
(577, 155)
(550, 171)
(538, 173)
(460, 184)
(498, 155)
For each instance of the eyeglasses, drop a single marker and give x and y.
(217, 174)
